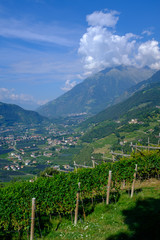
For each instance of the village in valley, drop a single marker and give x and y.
(31, 149)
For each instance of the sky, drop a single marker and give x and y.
(49, 46)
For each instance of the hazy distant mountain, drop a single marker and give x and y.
(146, 97)
(11, 113)
(96, 92)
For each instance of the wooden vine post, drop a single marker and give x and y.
(108, 187)
(93, 162)
(77, 204)
(32, 219)
(134, 179)
(76, 210)
(132, 147)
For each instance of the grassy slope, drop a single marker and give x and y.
(136, 218)
(110, 141)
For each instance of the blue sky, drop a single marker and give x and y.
(48, 46)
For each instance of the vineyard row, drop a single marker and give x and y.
(57, 195)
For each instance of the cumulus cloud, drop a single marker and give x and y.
(68, 85)
(101, 47)
(149, 54)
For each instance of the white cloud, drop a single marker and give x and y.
(10, 96)
(147, 32)
(149, 54)
(68, 85)
(6, 94)
(80, 76)
(41, 102)
(101, 47)
(108, 19)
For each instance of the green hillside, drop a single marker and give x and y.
(11, 114)
(96, 92)
(111, 129)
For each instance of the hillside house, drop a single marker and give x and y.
(133, 121)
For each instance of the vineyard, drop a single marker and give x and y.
(56, 195)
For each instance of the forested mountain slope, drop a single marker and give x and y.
(11, 114)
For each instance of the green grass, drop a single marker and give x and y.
(111, 139)
(136, 218)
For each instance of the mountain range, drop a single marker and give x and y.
(96, 93)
